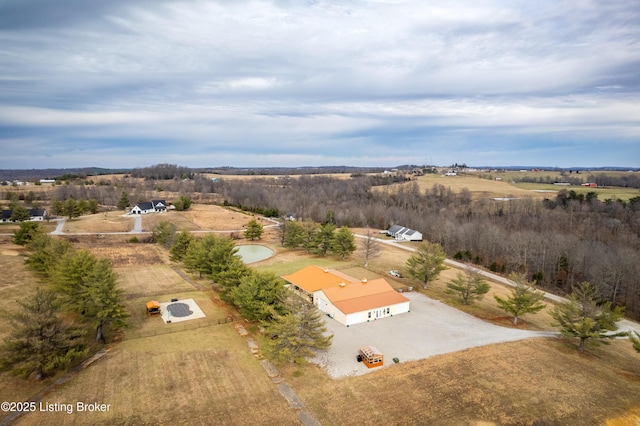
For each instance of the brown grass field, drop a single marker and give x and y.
(208, 375)
(203, 217)
(114, 221)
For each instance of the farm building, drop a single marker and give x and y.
(153, 206)
(346, 299)
(35, 215)
(312, 278)
(402, 233)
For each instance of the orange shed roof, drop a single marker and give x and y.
(360, 297)
(313, 278)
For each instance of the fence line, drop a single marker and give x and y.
(176, 328)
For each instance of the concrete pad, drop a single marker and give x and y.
(192, 311)
(431, 328)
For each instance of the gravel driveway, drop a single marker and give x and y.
(431, 328)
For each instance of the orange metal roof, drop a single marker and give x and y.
(313, 278)
(360, 297)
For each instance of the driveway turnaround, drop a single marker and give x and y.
(431, 328)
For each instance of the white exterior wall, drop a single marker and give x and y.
(324, 305)
(377, 313)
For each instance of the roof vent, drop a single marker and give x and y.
(326, 270)
(342, 284)
(364, 281)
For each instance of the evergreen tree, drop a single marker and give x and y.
(253, 230)
(19, 213)
(309, 231)
(427, 263)
(72, 208)
(123, 202)
(27, 232)
(583, 317)
(470, 287)
(92, 206)
(260, 296)
(524, 299)
(104, 300)
(58, 208)
(164, 233)
(181, 245)
(46, 253)
(40, 342)
(293, 235)
(343, 243)
(324, 238)
(297, 334)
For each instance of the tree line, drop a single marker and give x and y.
(556, 242)
(79, 293)
(294, 328)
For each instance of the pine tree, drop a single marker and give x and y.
(19, 213)
(427, 263)
(123, 202)
(104, 300)
(297, 334)
(27, 232)
(182, 242)
(253, 230)
(470, 287)
(260, 296)
(164, 233)
(583, 317)
(293, 235)
(524, 299)
(324, 238)
(40, 342)
(343, 243)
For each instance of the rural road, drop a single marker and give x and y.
(623, 325)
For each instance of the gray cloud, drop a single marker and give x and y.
(319, 81)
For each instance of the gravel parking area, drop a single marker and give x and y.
(431, 328)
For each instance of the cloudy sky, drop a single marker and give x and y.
(123, 83)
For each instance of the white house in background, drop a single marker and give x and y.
(402, 233)
(346, 299)
(35, 215)
(153, 206)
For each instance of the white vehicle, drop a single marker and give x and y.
(395, 274)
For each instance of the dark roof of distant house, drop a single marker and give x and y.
(6, 214)
(156, 202)
(145, 205)
(37, 212)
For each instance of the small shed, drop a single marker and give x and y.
(371, 357)
(153, 308)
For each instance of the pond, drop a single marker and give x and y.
(254, 253)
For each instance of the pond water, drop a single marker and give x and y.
(254, 253)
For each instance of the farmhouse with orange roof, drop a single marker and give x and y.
(346, 299)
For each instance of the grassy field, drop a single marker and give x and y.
(114, 221)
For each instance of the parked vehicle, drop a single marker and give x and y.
(395, 273)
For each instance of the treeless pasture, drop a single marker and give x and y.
(151, 280)
(201, 376)
(114, 221)
(203, 217)
(479, 188)
(129, 254)
(17, 283)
